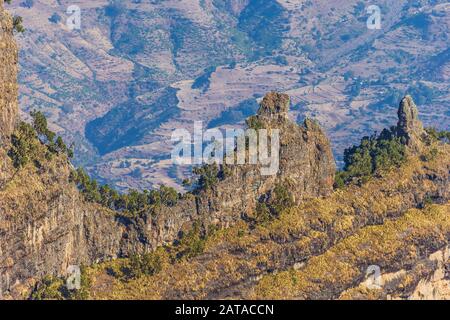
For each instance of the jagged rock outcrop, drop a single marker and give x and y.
(306, 170)
(45, 226)
(306, 164)
(409, 126)
(8, 76)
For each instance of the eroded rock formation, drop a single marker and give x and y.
(8, 75)
(306, 169)
(409, 126)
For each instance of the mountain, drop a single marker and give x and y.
(304, 232)
(137, 70)
(8, 75)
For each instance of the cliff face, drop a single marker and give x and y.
(8, 75)
(45, 225)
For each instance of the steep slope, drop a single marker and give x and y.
(234, 237)
(316, 250)
(46, 225)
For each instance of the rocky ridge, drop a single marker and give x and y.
(8, 75)
(409, 126)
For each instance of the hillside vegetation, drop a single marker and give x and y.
(313, 251)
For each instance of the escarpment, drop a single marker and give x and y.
(8, 76)
(322, 248)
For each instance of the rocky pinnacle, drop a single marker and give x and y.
(409, 126)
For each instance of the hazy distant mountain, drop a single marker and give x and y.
(138, 69)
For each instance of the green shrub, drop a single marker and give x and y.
(17, 24)
(147, 264)
(55, 288)
(131, 203)
(88, 187)
(262, 213)
(17, 21)
(374, 154)
(26, 139)
(208, 176)
(41, 126)
(169, 196)
(24, 145)
(438, 135)
(192, 243)
(253, 122)
(281, 199)
(431, 155)
(186, 182)
(50, 288)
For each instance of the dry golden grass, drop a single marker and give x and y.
(394, 243)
